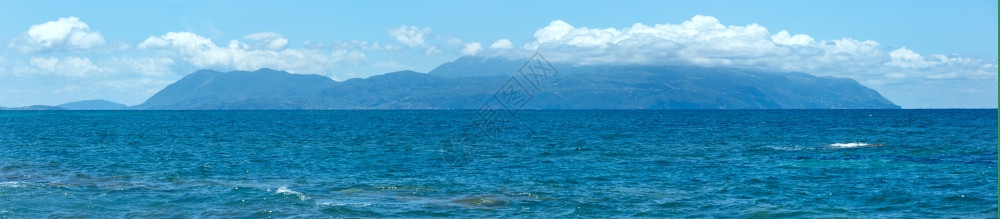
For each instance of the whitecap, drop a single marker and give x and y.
(353, 204)
(785, 148)
(853, 145)
(285, 191)
(11, 184)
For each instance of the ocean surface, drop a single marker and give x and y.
(534, 164)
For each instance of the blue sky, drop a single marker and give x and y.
(920, 54)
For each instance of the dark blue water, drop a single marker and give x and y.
(796, 163)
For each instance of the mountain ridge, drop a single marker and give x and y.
(209, 89)
(468, 82)
(97, 104)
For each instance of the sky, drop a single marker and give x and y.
(918, 54)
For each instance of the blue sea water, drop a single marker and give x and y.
(539, 164)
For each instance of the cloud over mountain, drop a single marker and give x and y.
(268, 40)
(470, 49)
(705, 41)
(269, 52)
(502, 44)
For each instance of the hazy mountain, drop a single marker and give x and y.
(469, 82)
(261, 89)
(469, 66)
(35, 107)
(93, 105)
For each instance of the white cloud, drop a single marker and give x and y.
(410, 35)
(391, 47)
(911, 64)
(502, 44)
(948, 75)
(703, 40)
(312, 45)
(66, 66)
(453, 41)
(201, 52)
(470, 49)
(82, 67)
(185, 41)
(64, 34)
(268, 40)
(348, 56)
(433, 50)
(783, 38)
(906, 58)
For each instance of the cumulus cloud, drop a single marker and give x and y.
(784, 38)
(64, 34)
(906, 58)
(703, 40)
(410, 35)
(268, 40)
(201, 52)
(185, 41)
(470, 49)
(502, 44)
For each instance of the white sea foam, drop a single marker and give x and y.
(853, 145)
(785, 148)
(355, 204)
(11, 184)
(285, 191)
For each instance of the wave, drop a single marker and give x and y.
(854, 145)
(11, 184)
(786, 148)
(285, 191)
(353, 204)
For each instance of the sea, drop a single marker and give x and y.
(523, 164)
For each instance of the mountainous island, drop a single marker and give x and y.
(469, 82)
(93, 105)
